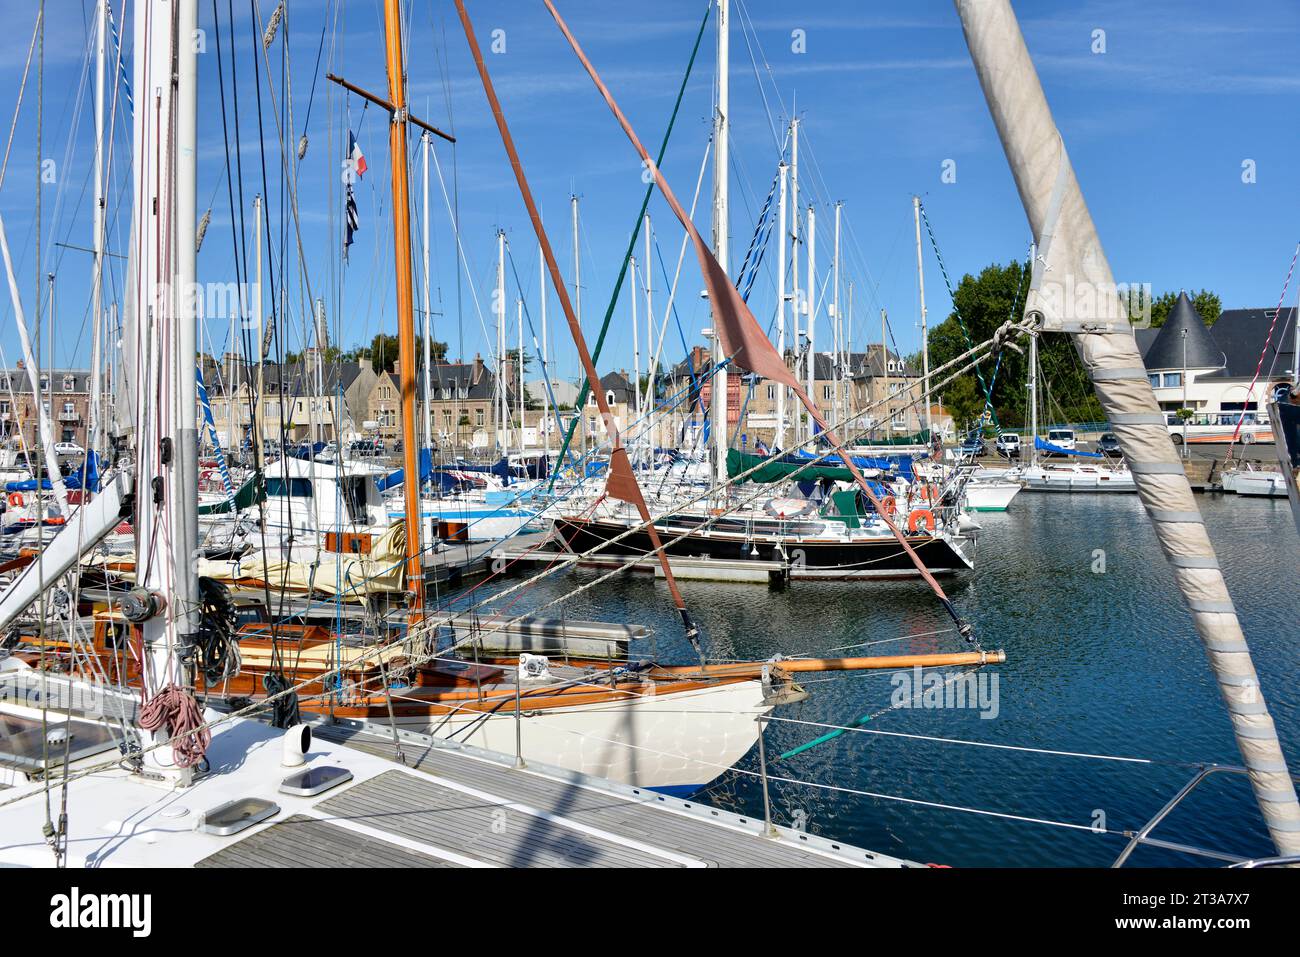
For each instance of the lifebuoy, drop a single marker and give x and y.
(887, 505)
(921, 516)
(16, 500)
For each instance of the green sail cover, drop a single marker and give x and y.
(916, 438)
(778, 471)
(246, 497)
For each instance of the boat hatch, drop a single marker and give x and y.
(234, 816)
(315, 781)
(25, 743)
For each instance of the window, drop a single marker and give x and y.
(478, 417)
(771, 393)
(1173, 380)
(1154, 379)
(289, 488)
(446, 420)
(69, 383)
(828, 392)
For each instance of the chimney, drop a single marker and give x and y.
(476, 375)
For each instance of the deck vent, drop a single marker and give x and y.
(235, 816)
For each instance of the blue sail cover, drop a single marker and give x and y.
(901, 465)
(1044, 446)
(394, 479)
(86, 477)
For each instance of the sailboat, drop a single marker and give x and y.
(1040, 476)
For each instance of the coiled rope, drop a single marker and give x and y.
(175, 709)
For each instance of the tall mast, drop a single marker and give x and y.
(503, 424)
(101, 205)
(405, 299)
(839, 326)
(925, 337)
(884, 368)
(184, 532)
(636, 352)
(721, 122)
(649, 403)
(577, 260)
(427, 141)
(257, 424)
(519, 370)
(783, 172)
(810, 368)
(1033, 374)
(796, 299)
(546, 365)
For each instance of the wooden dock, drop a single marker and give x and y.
(462, 807)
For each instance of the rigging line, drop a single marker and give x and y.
(956, 311)
(636, 228)
(22, 87)
(1053, 752)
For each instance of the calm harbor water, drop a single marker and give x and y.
(1099, 661)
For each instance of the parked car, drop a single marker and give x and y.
(68, 448)
(974, 446)
(1008, 444)
(1108, 444)
(1063, 439)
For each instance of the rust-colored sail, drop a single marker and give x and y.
(620, 483)
(742, 338)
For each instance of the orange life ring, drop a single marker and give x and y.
(16, 500)
(919, 516)
(887, 505)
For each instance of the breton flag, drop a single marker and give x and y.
(352, 221)
(356, 157)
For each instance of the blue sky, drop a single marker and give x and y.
(1158, 127)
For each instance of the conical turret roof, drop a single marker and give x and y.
(1166, 351)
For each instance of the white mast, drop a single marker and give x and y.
(1033, 373)
(811, 368)
(838, 412)
(636, 352)
(101, 205)
(519, 372)
(257, 424)
(546, 365)
(502, 410)
(778, 437)
(721, 157)
(428, 347)
(650, 356)
(925, 337)
(577, 260)
(184, 492)
(796, 298)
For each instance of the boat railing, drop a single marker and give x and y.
(1142, 837)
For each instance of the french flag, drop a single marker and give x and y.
(357, 157)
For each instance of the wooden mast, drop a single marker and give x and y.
(405, 297)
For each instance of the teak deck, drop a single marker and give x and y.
(470, 808)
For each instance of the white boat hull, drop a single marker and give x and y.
(676, 743)
(991, 496)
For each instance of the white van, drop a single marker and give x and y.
(1062, 439)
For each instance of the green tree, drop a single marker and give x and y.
(984, 303)
(384, 350)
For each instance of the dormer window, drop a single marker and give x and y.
(69, 383)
